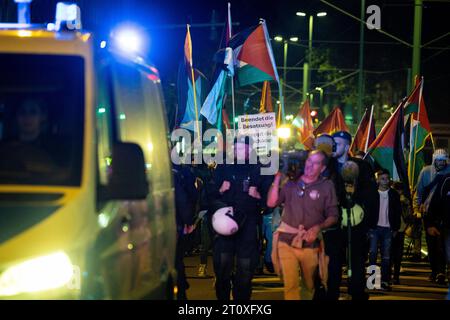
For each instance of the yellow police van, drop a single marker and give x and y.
(86, 193)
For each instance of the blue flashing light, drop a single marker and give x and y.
(129, 40)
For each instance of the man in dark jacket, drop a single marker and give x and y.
(338, 241)
(383, 226)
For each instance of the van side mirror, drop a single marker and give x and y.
(128, 180)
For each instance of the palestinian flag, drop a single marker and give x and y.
(365, 134)
(266, 99)
(254, 61)
(216, 97)
(420, 132)
(387, 149)
(333, 123)
(304, 124)
(213, 107)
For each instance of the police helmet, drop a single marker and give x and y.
(223, 221)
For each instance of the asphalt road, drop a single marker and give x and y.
(414, 284)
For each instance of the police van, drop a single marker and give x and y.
(86, 191)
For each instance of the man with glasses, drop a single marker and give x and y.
(310, 205)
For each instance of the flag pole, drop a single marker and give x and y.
(193, 83)
(232, 77)
(368, 130)
(262, 103)
(357, 129)
(417, 131)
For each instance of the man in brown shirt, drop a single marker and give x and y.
(310, 205)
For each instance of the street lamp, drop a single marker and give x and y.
(284, 132)
(321, 96)
(280, 38)
(306, 65)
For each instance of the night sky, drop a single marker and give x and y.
(386, 63)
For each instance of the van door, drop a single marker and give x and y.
(140, 118)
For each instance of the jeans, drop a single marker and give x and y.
(382, 236)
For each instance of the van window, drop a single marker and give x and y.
(141, 119)
(104, 117)
(41, 119)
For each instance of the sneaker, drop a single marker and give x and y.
(202, 270)
(269, 267)
(385, 286)
(432, 278)
(440, 279)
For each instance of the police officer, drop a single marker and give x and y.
(365, 195)
(238, 188)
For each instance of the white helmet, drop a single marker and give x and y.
(223, 222)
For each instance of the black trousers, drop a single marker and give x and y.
(397, 253)
(359, 251)
(336, 247)
(182, 283)
(235, 258)
(333, 249)
(436, 254)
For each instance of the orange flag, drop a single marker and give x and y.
(333, 123)
(304, 124)
(266, 99)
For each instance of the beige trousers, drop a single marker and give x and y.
(296, 265)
